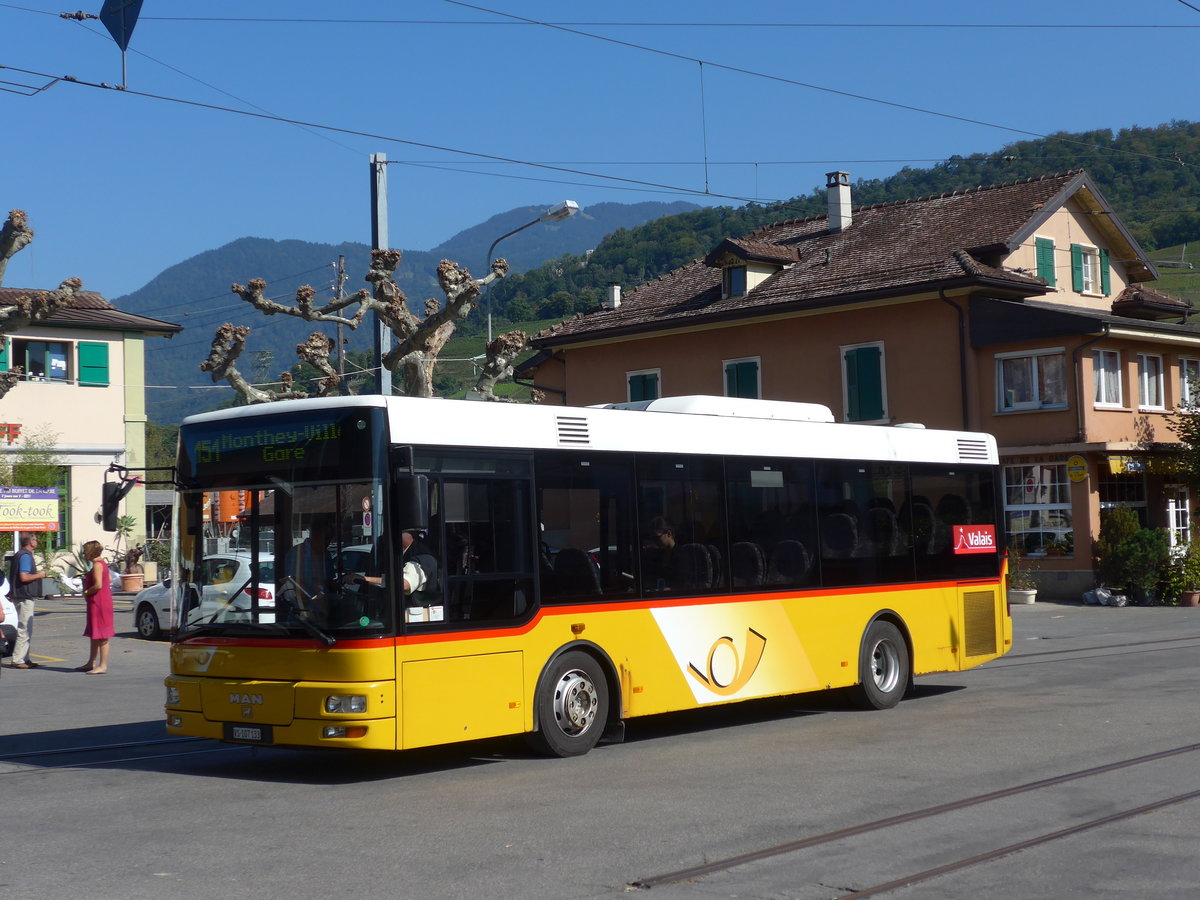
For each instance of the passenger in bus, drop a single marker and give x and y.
(658, 557)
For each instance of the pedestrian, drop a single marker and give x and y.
(25, 587)
(97, 593)
(8, 619)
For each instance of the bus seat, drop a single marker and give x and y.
(575, 572)
(790, 563)
(714, 557)
(747, 566)
(695, 568)
(881, 533)
(953, 509)
(839, 536)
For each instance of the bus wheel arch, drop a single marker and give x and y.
(575, 699)
(885, 668)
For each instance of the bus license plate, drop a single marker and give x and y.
(248, 734)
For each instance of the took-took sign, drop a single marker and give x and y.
(28, 509)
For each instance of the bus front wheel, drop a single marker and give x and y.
(883, 667)
(572, 706)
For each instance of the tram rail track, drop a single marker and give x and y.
(929, 812)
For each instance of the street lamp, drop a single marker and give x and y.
(557, 213)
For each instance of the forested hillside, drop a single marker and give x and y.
(1150, 175)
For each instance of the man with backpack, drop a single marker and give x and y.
(25, 586)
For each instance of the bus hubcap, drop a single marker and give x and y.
(575, 702)
(885, 666)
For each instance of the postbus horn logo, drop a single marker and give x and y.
(742, 669)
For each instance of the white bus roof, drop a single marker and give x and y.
(716, 425)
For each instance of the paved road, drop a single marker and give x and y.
(1092, 716)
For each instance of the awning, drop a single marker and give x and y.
(1126, 464)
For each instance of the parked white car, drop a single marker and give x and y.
(221, 577)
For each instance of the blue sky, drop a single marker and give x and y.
(634, 100)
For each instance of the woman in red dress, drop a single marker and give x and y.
(97, 592)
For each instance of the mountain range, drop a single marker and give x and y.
(196, 292)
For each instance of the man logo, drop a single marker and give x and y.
(246, 699)
(727, 674)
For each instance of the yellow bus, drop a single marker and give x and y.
(445, 571)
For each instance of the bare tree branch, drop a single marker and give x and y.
(253, 293)
(227, 345)
(14, 235)
(501, 354)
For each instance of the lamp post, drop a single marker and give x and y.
(557, 213)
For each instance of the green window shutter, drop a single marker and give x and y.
(1077, 268)
(741, 380)
(1045, 260)
(1105, 281)
(93, 363)
(864, 384)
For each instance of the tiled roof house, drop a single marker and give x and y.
(82, 389)
(1020, 309)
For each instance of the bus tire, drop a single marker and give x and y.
(571, 706)
(884, 671)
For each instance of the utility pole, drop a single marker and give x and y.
(338, 293)
(379, 241)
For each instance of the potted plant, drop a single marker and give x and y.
(1143, 560)
(128, 562)
(1183, 576)
(1022, 586)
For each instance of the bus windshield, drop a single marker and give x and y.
(281, 532)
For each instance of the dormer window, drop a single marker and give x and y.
(733, 281)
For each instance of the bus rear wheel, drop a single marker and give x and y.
(572, 706)
(883, 667)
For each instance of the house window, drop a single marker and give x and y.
(733, 281)
(1179, 516)
(1037, 508)
(56, 360)
(1189, 382)
(643, 385)
(1150, 381)
(1106, 365)
(1089, 270)
(741, 378)
(864, 389)
(1031, 380)
(1045, 260)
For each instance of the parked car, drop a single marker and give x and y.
(221, 577)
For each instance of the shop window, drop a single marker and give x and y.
(1037, 508)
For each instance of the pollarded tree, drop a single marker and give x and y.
(418, 340)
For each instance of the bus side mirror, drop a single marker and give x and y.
(410, 507)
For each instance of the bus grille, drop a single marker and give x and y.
(573, 430)
(972, 449)
(979, 622)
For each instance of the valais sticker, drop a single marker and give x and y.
(974, 539)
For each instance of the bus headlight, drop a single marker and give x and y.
(172, 695)
(174, 721)
(346, 703)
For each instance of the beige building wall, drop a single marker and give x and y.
(90, 426)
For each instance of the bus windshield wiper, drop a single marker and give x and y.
(312, 628)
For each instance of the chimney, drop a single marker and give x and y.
(613, 300)
(838, 186)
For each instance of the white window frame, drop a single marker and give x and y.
(1098, 382)
(630, 375)
(1150, 381)
(1035, 375)
(1090, 269)
(726, 363)
(1189, 381)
